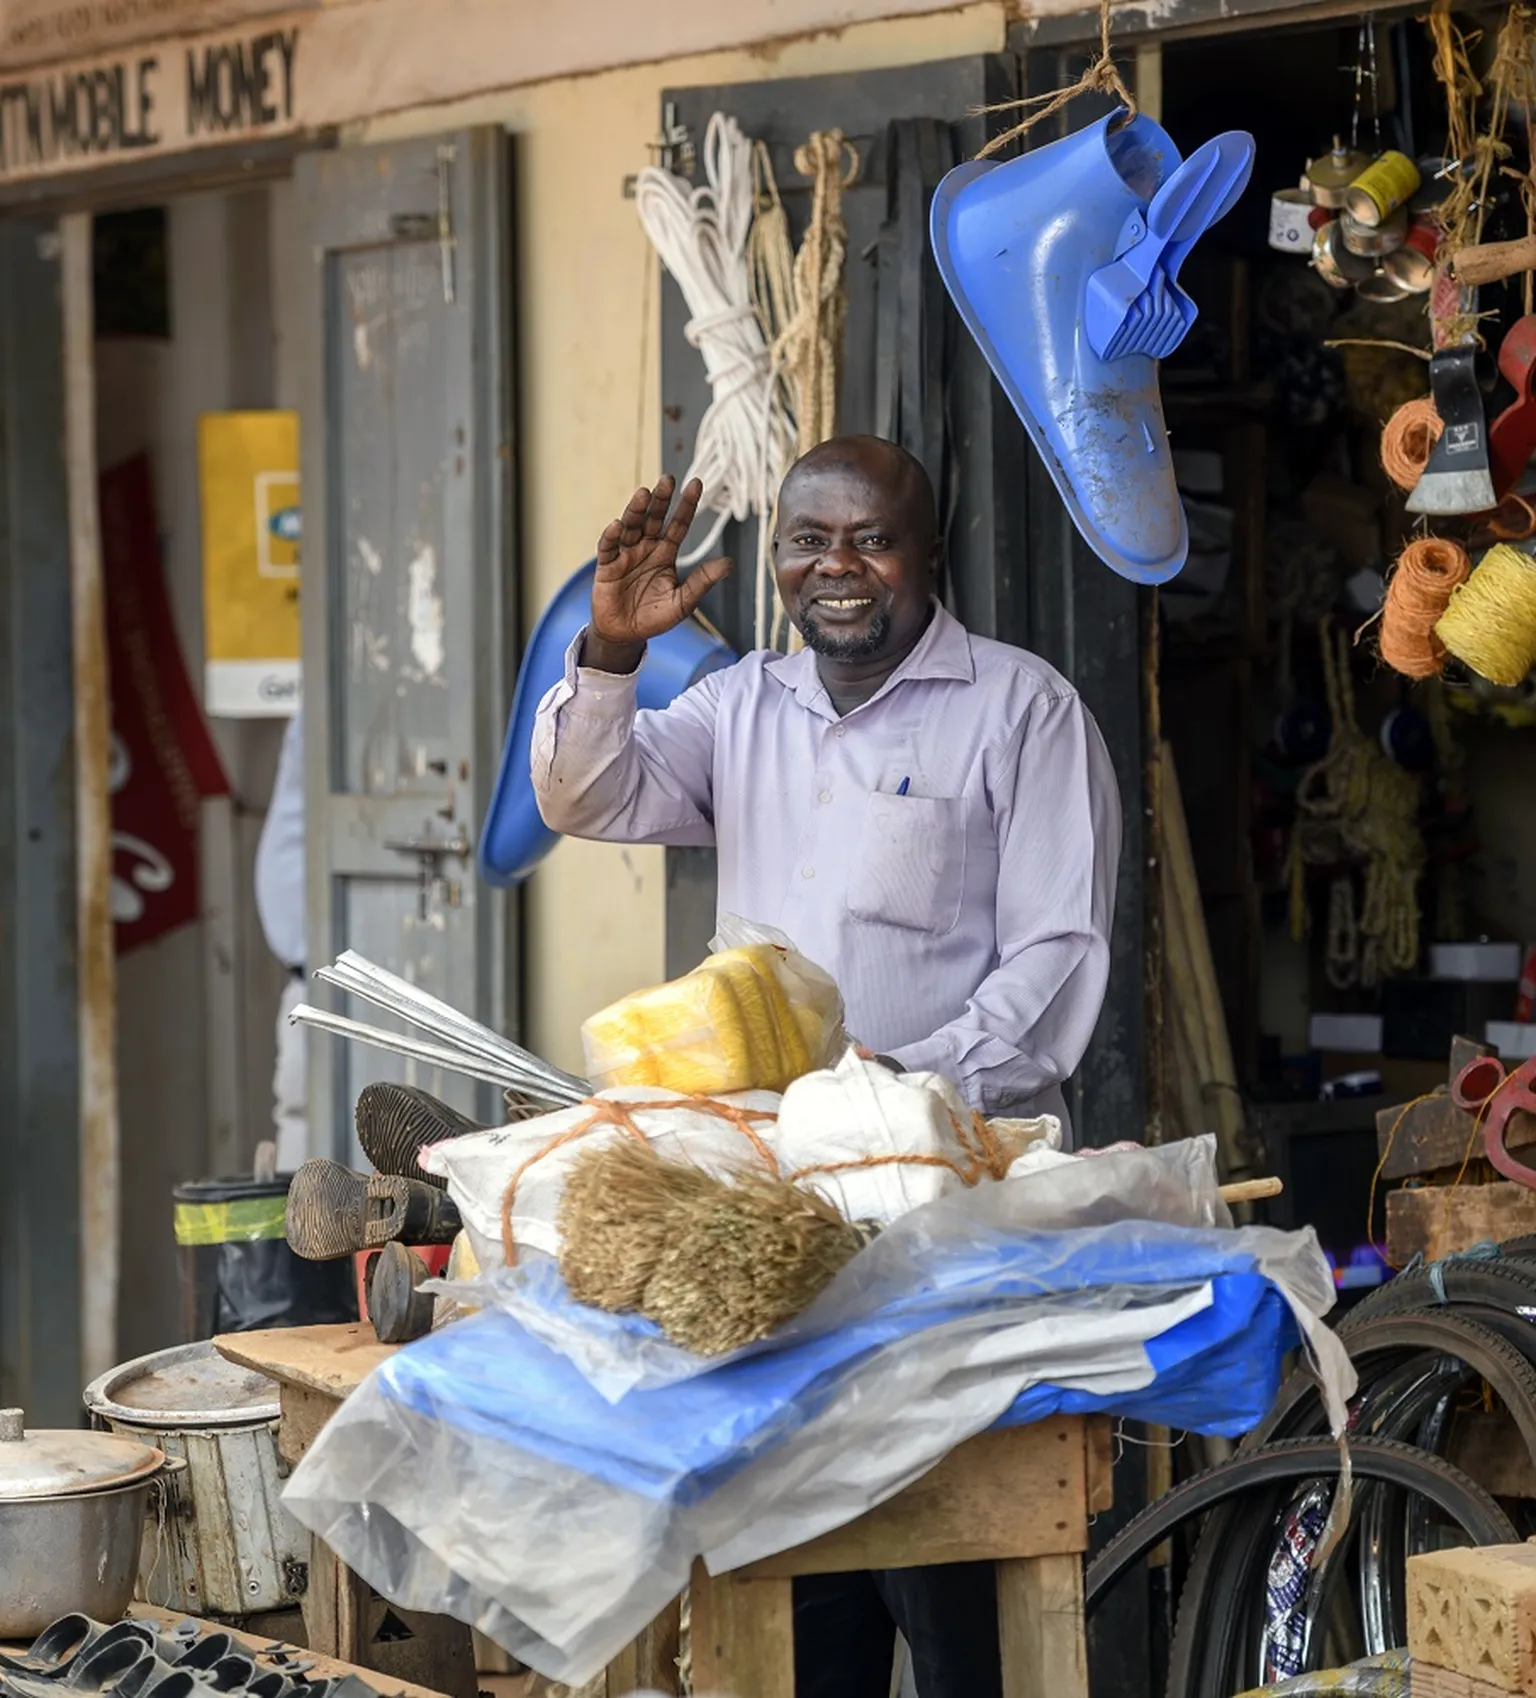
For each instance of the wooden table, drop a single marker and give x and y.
(1021, 1498)
(316, 1368)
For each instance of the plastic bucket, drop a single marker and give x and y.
(236, 1271)
(515, 838)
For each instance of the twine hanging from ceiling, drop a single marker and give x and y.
(1101, 77)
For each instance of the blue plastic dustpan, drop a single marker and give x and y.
(515, 838)
(1018, 245)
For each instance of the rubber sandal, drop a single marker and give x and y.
(334, 1212)
(1019, 244)
(395, 1121)
(56, 1647)
(203, 1654)
(231, 1674)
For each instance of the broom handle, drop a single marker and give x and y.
(1492, 262)
(1251, 1190)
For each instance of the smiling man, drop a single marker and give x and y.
(929, 815)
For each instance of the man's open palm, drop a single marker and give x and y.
(637, 594)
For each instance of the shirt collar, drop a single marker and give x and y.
(943, 651)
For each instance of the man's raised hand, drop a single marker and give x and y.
(637, 594)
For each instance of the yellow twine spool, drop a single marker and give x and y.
(1490, 623)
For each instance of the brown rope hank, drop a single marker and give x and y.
(1101, 77)
(606, 1112)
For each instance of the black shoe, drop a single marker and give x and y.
(394, 1121)
(398, 1309)
(333, 1212)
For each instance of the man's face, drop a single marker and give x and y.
(854, 559)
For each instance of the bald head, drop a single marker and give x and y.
(873, 459)
(856, 550)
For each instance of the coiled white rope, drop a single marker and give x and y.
(746, 438)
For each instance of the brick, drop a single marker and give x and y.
(1426, 1681)
(1475, 1612)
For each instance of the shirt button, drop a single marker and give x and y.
(807, 872)
(842, 731)
(825, 796)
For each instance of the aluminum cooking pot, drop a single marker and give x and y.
(72, 1508)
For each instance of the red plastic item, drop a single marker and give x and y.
(1483, 1087)
(434, 1255)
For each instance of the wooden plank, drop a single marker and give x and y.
(1434, 1137)
(1018, 1492)
(304, 1412)
(100, 1155)
(649, 1662)
(1040, 1627)
(1100, 1464)
(335, 1605)
(332, 1359)
(325, 1667)
(742, 1635)
(1444, 1220)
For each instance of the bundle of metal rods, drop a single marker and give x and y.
(453, 1041)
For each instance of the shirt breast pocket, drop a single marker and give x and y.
(909, 866)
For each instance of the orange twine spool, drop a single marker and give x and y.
(1408, 440)
(1428, 570)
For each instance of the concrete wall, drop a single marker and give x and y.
(196, 1009)
(589, 375)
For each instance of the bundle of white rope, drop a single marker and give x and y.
(746, 438)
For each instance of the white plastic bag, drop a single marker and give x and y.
(538, 1154)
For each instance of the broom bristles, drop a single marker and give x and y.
(716, 1263)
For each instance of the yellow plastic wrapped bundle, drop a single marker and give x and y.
(753, 1017)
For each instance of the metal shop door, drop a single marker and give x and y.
(408, 588)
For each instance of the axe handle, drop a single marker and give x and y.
(1492, 262)
(1251, 1190)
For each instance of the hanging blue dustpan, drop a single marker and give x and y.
(515, 838)
(1064, 266)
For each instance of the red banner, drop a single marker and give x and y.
(163, 759)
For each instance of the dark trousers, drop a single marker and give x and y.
(845, 1632)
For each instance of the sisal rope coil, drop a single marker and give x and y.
(1428, 572)
(1490, 621)
(1408, 440)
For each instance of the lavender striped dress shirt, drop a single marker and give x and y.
(947, 851)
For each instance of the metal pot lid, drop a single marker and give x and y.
(61, 1462)
(191, 1385)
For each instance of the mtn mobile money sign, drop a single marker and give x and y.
(160, 100)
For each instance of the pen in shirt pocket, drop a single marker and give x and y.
(902, 788)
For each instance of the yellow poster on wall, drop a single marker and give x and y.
(248, 470)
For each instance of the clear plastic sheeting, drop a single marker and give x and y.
(499, 1472)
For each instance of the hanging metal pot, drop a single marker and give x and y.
(1334, 263)
(1373, 241)
(1329, 176)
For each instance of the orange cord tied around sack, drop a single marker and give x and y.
(985, 1155)
(1408, 440)
(621, 1115)
(1428, 572)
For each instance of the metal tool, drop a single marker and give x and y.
(1483, 1087)
(1458, 478)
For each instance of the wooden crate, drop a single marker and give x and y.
(1435, 1221)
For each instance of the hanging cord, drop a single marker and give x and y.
(772, 257)
(809, 348)
(1101, 77)
(746, 437)
(1357, 804)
